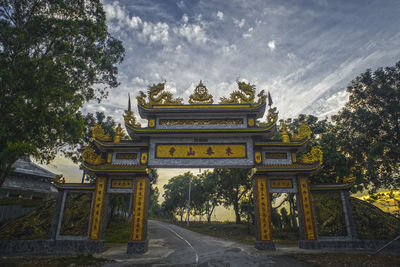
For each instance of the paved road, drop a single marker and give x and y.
(171, 245)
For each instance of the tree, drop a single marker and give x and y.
(176, 194)
(234, 184)
(74, 151)
(335, 166)
(212, 195)
(154, 209)
(369, 128)
(54, 56)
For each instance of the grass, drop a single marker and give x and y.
(118, 232)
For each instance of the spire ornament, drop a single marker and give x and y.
(118, 134)
(272, 116)
(129, 117)
(285, 136)
(201, 95)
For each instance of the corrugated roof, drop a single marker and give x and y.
(28, 184)
(26, 167)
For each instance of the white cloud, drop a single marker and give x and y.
(272, 45)
(227, 50)
(185, 18)
(248, 33)
(239, 23)
(192, 32)
(156, 32)
(220, 15)
(115, 11)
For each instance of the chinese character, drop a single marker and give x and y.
(209, 151)
(190, 152)
(229, 151)
(172, 151)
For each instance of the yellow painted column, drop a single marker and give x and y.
(139, 210)
(263, 209)
(306, 207)
(97, 211)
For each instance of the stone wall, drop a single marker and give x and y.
(21, 247)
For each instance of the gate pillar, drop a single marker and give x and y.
(263, 214)
(97, 212)
(307, 212)
(138, 243)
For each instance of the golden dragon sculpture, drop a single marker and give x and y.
(157, 96)
(245, 95)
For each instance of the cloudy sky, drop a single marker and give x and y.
(303, 52)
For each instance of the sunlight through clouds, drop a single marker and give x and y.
(303, 52)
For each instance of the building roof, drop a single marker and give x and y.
(28, 184)
(201, 109)
(25, 167)
(28, 176)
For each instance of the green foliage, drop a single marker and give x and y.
(54, 57)
(176, 194)
(35, 225)
(323, 133)
(369, 129)
(210, 189)
(329, 214)
(227, 186)
(76, 215)
(373, 223)
(74, 151)
(119, 207)
(234, 185)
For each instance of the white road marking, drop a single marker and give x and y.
(190, 245)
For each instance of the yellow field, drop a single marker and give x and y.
(385, 202)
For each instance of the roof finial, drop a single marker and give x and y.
(129, 102)
(269, 100)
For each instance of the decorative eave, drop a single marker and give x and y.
(295, 168)
(74, 186)
(108, 146)
(112, 169)
(182, 110)
(279, 145)
(264, 132)
(331, 187)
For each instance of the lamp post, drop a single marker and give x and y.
(188, 210)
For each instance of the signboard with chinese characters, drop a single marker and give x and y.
(205, 152)
(201, 151)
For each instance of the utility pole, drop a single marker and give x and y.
(188, 210)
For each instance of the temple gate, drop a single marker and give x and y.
(199, 135)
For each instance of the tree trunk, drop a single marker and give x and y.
(236, 209)
(209, 214)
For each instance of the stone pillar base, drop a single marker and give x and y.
(137, 247)
(264, 245)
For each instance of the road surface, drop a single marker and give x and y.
(171, 245)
